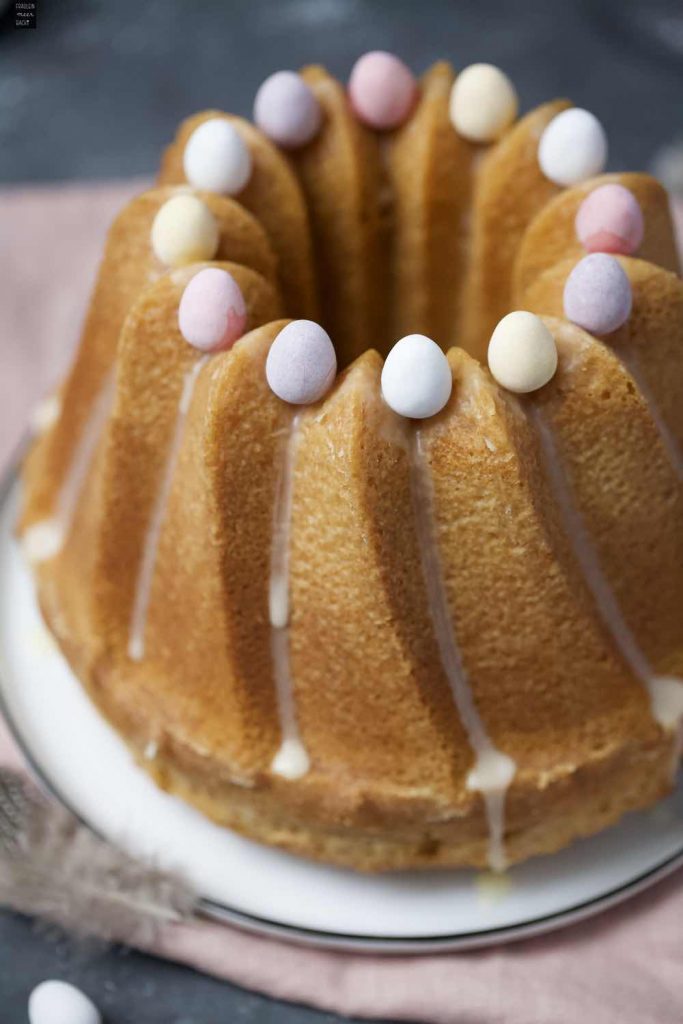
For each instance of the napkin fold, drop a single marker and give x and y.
(625, 966)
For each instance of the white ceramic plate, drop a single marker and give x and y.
(83, 762)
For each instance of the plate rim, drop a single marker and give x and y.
(221, 913)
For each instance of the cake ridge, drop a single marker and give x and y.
(291, 759)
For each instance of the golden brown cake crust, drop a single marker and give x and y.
(182, 660)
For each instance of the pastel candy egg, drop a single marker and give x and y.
(382, 90)
(522, 353)
(416, 377)
(217, 158)
(286, 110)
(610, 220)
(212, 314)
(184, 231)
(483, 103)
(57, 1002)
(573, 147)
(301, 364)
(597, 294)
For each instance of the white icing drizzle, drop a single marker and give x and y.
(143, 587)
(46, 414)
(151, 751)
(46, 538)
(493, 770)
(671, 445)
(665, 692)
(291, 760)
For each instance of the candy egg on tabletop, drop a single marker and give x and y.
(597, 294)
(184, 230)
(286, 110)
(302, 363)
(573, 147)
(610, 220)
(483, 103)
(416, 377)
(57, 1002)
(522, 353)
(382, 90)
(212, 314)
(216, 158)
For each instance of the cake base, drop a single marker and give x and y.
(271, 891)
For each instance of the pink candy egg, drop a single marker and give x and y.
(597, 294)
(382, 90)
(286, 110)
(212, 314)
(610, 220)
(301, 363)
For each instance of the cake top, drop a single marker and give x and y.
(383, 94)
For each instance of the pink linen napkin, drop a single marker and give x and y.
(624, 966)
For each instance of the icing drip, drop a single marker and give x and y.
(46, 539)
(671, 445)
(291, 760)
(143, 589)
(665, 692)
(46, 414)
(493, 770)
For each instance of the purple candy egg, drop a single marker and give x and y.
(286, 110)
(301, 364)
(597, 294)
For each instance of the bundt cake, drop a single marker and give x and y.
(424, 611)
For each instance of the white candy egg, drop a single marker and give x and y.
(573, 147)
(416, 378)
(216, 158)
(522, 352)
(57, 1002)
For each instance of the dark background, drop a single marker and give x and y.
(96, 91)
(100, 85)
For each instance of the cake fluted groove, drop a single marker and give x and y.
(44, 539)
(291, 759)
(493, 771)
(649, 639)
(143, 586)
(509, 190)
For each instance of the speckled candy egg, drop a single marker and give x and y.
(597, 294)
(610, 220)
(301, 364)
(184, 231)
(56, 1002)
(212, 314)
(216, 158)
(522, 354)
(382, 90)
(286, 110)
(416, 377)
(573, 147)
